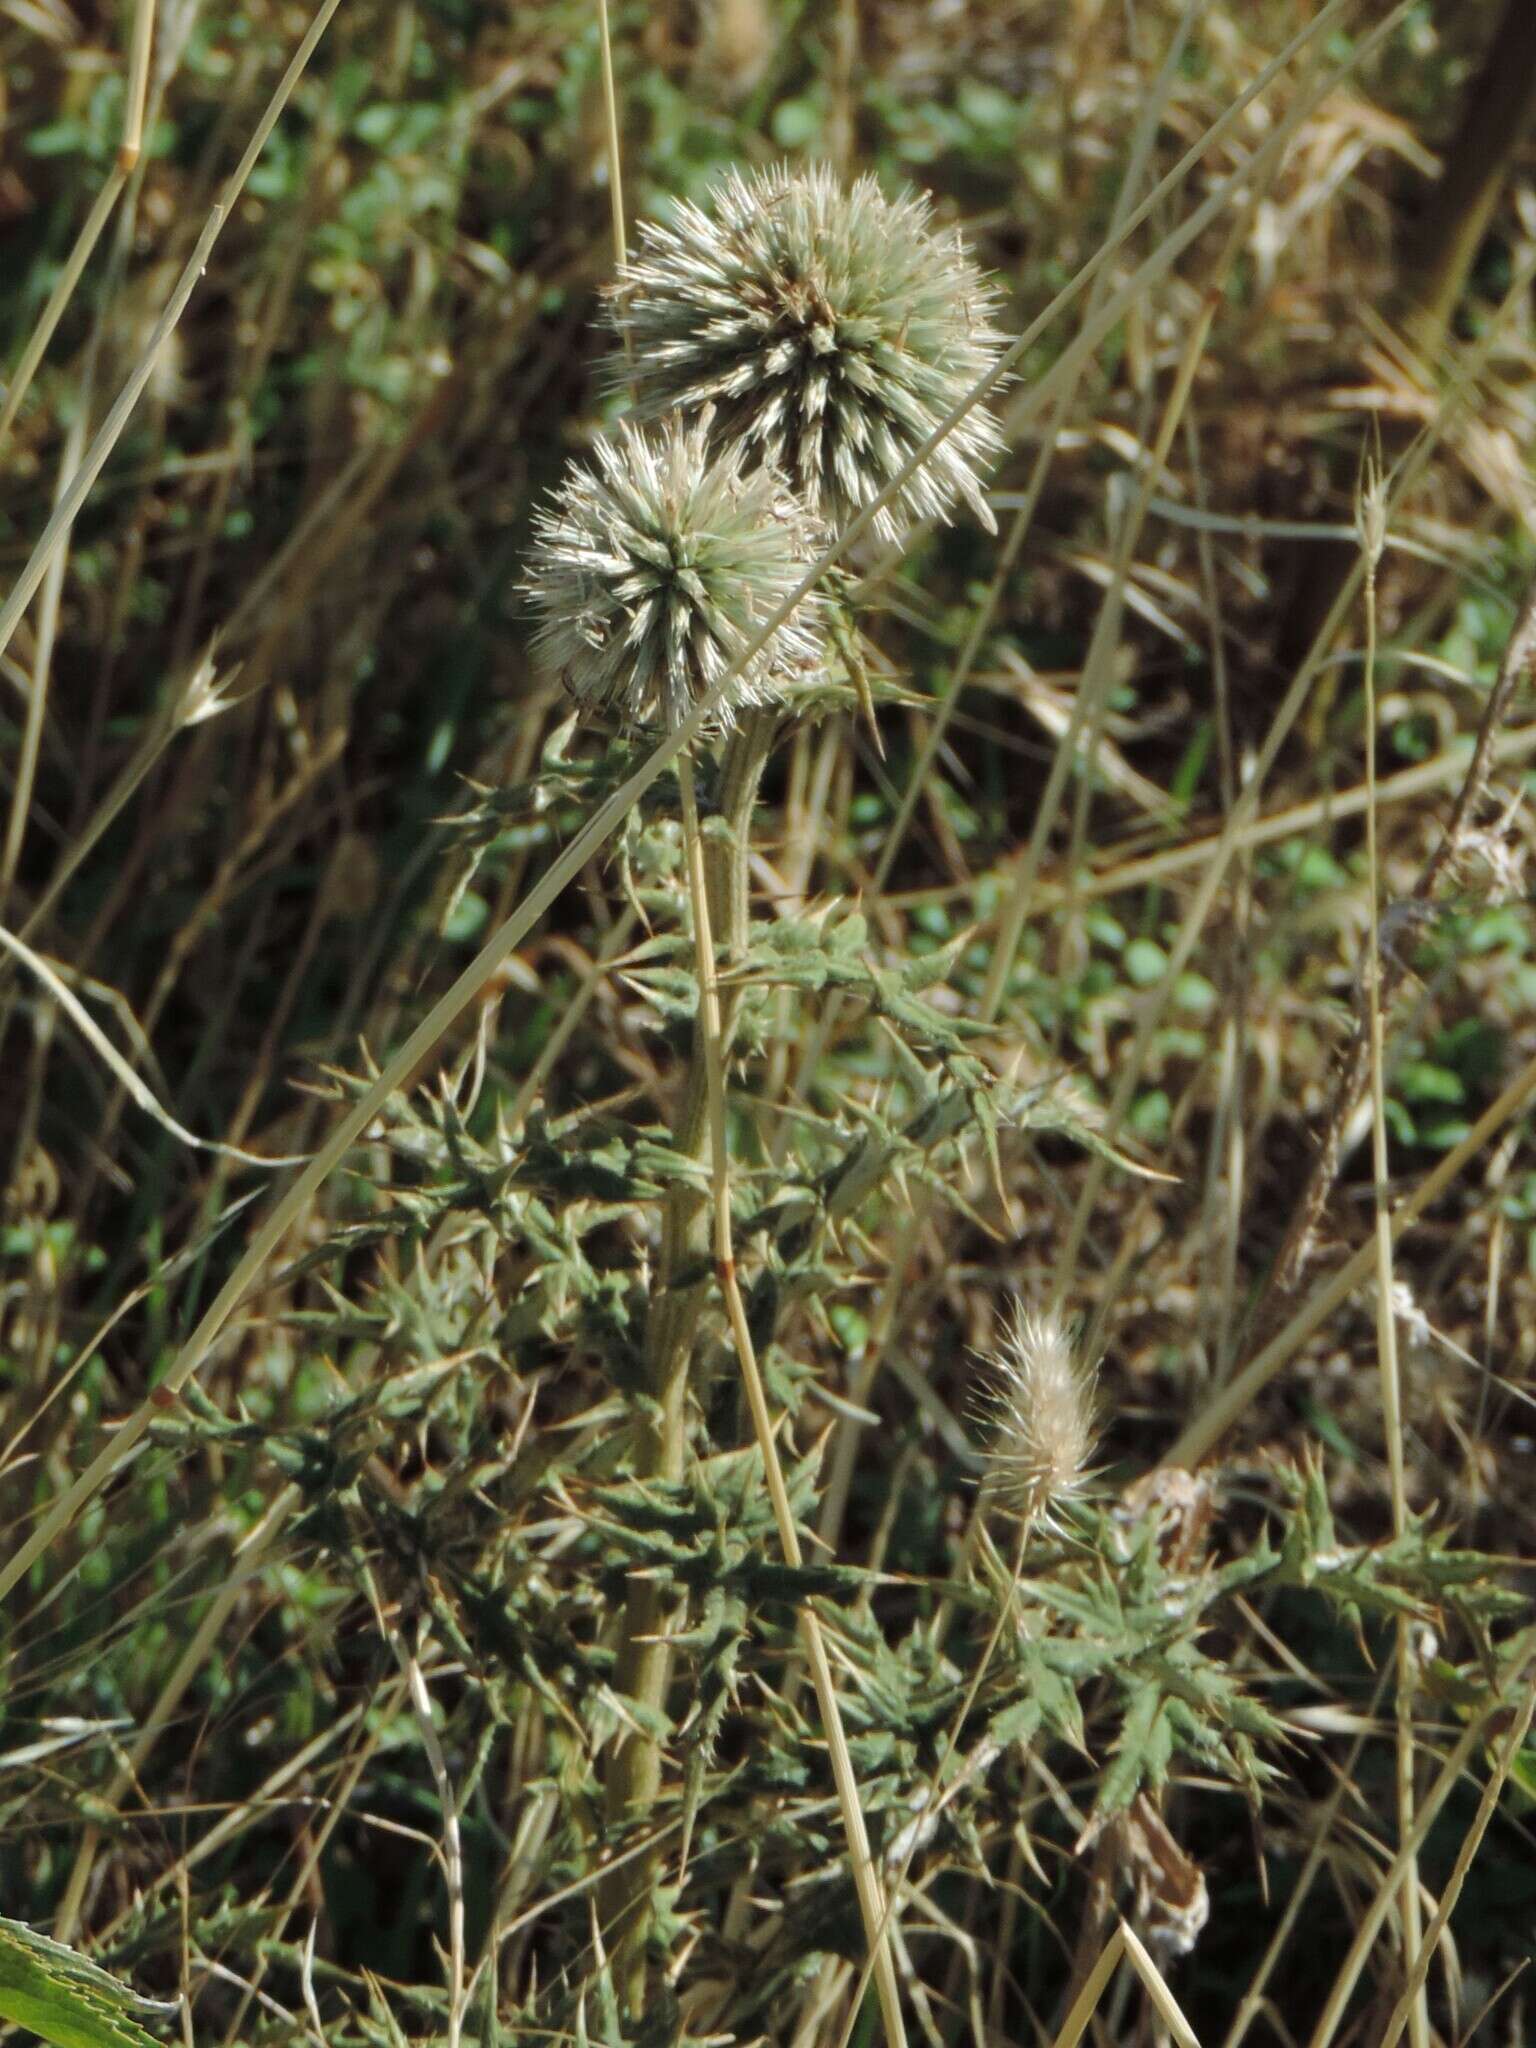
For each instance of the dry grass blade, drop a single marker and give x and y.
(1164, 2003)
(986, 612)
(42, 670)
(1199, 1436)
(100, 213)
(1087, 703)
(138, 1090)
(1373, 539)
(1509, 1752)
(63, 291)
(110, 431)
(871, 1897)
(453, 1853)
(1460, 1755)
(1518, 659)
(186, 1670)
(1153, 1005)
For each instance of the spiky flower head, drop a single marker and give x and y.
(654, 571)
(1039, 1414)
(832, 329)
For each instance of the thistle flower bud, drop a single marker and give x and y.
(833, 331)
(654, 571)
(1039, 1412)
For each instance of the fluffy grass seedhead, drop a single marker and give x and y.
(657, 567)
(832, 329)
(1039, 1413)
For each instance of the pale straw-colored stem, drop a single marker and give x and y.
(100, 213)
(1235, 1399)
(866, 1879)
(1509, 1754)
(1097, 671)
(1086, 2004)
(138, 85)
(1152, 1006)
(63, 291)
(1148, 128)
(453, 1852)
(66, 511)
(241, 1575)
(935, 1801)
(1096, 679)
(611, 117)
(1373, 530)
(42, 670)
(1466, 1746)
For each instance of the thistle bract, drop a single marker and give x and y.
(1039, 1412)
(833, 330)
(656, 569)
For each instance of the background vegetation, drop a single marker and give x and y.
(1055, 991)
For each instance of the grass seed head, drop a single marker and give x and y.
(655, 569)
(832, 329)
(1039, 1411)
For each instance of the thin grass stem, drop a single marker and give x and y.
(1373, 536)
(872, 1906)
(111, 428)
(611, 117)
(644, 1661)
(1232, 1401)
(1509, 1755)
(1155, 1001)
(1371, 1920)
(63, 291)
(1097, 675)
(42, 670)
(1086, 2004)
(138, 85)
(185, 1670)
(981, 624)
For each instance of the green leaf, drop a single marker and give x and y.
(1142, 1754)
(1424, 1081)
(796, 123)
(1145, 961)
(59, 1996)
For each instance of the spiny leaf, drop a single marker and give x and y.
(1050, 1106)
(62, 1998)
(1142, 1754)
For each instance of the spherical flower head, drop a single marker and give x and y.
(1039, 1412)
(655, 570)
(832, 329)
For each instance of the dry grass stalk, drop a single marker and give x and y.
(1349, 1090)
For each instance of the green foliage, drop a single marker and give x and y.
(63, 1998)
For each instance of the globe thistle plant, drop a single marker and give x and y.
(654, 570)
(1039, 1414)
(832, 329)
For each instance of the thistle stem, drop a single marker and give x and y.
(865, 1877)
(643, 1667)
(717, 883)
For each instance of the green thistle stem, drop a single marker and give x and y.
(644, 1662)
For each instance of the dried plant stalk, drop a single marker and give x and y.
(1354, 1077)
